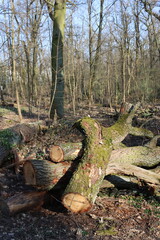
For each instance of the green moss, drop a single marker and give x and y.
(102, 231)
(116, 133)
(5, 136)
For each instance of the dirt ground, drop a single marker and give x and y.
(117, 213)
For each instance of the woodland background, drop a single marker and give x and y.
(111, 52)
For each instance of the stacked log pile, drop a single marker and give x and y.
(101, 154)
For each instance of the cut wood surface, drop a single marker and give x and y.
(25, 201)
(44, 174)
(65, 152)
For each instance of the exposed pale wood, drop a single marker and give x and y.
(56, 153)
(142, 174)
(66, 152)
(76, 202)
(44, 174)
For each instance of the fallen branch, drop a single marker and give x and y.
(142, 174)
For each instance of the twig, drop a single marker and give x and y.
(15, 164)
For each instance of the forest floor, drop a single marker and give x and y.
(118, 214)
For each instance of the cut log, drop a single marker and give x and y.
(66, 152)
(61, 169)
(45, 174)
(142, 156)
(84, 186)
(25, 201)
(14, 136)
(116, 176)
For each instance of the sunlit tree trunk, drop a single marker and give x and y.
(57, 90)
(94, 59)
(14, 78)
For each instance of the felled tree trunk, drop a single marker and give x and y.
(142, 156)
(45, 175)
(97, 161)
(84, 186)
(14, 136)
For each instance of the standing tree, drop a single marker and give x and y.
(94, 58)
(57, 14)
(13, 62)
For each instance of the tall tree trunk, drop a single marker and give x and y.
(137, 35)
(94, 60)
(13, 61)
(57, 91)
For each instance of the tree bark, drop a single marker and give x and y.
(148, 176)
(142, 156)
(57, 91)
(84, 186)
(45, 174)
(14, 136)
(25, 201)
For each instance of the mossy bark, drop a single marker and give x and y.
(84, 186)
(141, 156)
(14, 136)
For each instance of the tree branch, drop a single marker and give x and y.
(148, 9)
